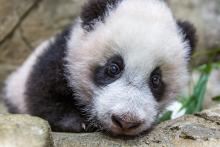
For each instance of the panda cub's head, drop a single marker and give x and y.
(127, 59)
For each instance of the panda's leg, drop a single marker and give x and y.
(61, 115)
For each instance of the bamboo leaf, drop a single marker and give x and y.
(166, 116)
(206, 68)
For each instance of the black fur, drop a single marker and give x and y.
(101, 77)
(48, 94)
(159, 91)
(95, 10)
(10, 107)
(189, 33)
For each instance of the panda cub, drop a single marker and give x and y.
(114, 70)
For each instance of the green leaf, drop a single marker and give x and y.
(206, 68)
(217, 98)
(194, 102)
(166, 116)
(200, 90)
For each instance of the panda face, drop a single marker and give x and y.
(129, 67)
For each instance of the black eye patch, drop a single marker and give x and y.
(110, 72)
(156, 84)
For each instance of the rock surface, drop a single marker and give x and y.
(205, 15)
(26, 23)
(24, 131)
(201, 130)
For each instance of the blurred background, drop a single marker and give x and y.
(24, 24)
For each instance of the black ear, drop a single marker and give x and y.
(95, 11)
(189, 33)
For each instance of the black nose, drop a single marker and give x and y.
(126, 122)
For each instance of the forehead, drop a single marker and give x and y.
(140, 31)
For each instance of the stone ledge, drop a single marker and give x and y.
(202, 129)
(185, 131)
(211, 115)
(24, 131)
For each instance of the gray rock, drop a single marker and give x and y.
(24, 131)
(205, 15)
(202, 129)
(187, 131)
(12, 14)
(211, 114)
(196, 132)
(26, 23)
(48, 19)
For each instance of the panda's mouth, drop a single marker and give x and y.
(127, 134)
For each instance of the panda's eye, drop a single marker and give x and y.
(113, 70)
(156, 84)
(110, 72)
(155, 81)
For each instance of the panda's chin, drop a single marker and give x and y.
(127, 134)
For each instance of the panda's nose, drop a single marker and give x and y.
(126, 121)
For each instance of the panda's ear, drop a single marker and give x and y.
(95, 11)
(189, 34)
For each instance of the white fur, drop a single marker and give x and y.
(145, 34)
(177, 110)
(16, 82)
(121, 98)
